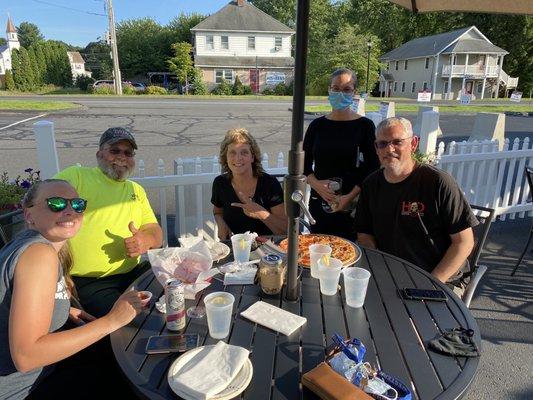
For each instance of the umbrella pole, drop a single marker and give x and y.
(295, 181)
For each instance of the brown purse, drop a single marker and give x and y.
(329, 385)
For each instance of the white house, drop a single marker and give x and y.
(241, 40)
(447, 64)
(7, 49)
(77, 65)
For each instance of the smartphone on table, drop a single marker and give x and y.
(423, 294)
(172, 343)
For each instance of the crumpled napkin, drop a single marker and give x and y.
(273, 317)
(210, 371)
(237, 274)
(190, 265)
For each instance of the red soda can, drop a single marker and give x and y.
(175, 304)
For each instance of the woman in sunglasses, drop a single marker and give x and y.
(35, 292)
(339, 155)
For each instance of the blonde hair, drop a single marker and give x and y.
(64, 254)
(240, 135)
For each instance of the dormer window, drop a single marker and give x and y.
(396, 66)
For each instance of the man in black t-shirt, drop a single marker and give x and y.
(415, 211)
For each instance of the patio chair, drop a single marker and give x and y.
(529, 175)
(485, 216)
(11, 223)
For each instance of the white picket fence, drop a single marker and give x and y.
(487, 176)
(490, 177)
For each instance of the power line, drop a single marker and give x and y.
(70, 8)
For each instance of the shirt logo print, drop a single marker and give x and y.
(413, 208)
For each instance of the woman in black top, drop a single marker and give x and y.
(245, 197)
(338, 147)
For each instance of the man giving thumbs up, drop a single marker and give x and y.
(119, 224)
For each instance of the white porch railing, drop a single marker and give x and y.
(471, 70)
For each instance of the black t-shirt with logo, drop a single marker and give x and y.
(414, 219)
(268, 193)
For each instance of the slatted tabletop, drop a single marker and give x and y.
(394, 331)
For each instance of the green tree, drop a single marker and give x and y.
(98, 60)
(23, 74)
(180, 27)
(237, 88)
(41, 60)
(3, 41)
(181, 64)
(198, 84)
(36, 71)
(10, 83)
(142, 46)
(29, 34)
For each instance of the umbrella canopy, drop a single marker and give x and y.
(485, 6)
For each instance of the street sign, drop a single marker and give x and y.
(516, 96)
(424, 96)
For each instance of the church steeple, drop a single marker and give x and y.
(12, 36)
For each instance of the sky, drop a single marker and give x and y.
(75, 22)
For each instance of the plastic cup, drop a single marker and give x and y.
(316, 251)
(219, 307)
(145, 297)
(329, 271)
(241, 244)
(355, 286)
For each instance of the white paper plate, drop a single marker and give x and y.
(219, 251)
(237, 386)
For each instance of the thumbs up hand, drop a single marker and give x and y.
(138, 243)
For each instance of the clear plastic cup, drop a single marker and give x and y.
(241, 244)
(317, 251)
(329, 271)
(355, 286)
(219, 307)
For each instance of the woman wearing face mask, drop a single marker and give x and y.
(339, 155)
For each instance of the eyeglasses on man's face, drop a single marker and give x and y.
(116, 151)
(383, 144)
(58, 204)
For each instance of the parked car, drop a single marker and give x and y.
(105, 82)
(138, 86)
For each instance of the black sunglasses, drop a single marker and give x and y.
(127, 153)
(58, 204)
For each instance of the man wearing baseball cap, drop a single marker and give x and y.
(119, 224)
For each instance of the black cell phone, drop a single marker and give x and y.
(423, 294)
(172, 343)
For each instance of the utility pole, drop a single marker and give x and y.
(114, 52)
(369, 46)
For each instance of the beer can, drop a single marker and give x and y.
(175, 304)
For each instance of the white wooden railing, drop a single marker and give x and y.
(472, 70)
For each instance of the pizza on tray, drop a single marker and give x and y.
(341, 248)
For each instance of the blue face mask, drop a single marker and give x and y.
(340, 100)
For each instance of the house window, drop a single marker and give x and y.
(395, 87)
(405, 64)
(425, 86)
(251, 42)
(426, 66)
(388, 66)
(224, 42)
(396, 67)
(226, 74)
(446, 87)
(479, 87)
(403, 87)
(209, 42)
(277, 43)
(413, 87)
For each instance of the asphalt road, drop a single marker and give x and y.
(171, 128)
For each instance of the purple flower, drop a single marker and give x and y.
(28, 170)
(25, 184)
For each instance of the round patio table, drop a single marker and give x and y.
(395, 332)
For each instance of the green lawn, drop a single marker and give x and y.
(442, 109)
(30, 105)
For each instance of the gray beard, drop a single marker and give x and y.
(112, 174)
